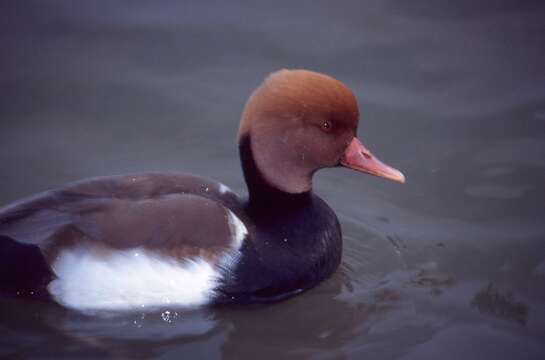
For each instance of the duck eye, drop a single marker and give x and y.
(326, 126)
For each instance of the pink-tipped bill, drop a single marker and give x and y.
(357, 157)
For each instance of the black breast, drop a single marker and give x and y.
(293, 245)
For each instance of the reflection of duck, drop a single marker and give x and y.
(318, 324)
(126, 241)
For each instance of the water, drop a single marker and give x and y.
(450, 265)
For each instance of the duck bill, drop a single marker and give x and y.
(357, 157)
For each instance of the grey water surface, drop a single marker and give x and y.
(449, 266)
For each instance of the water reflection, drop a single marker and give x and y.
(238, 331)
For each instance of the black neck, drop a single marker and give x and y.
(262, 195)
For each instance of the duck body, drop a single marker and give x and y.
(134, 241)
(86, 245)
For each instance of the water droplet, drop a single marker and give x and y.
(168, 316)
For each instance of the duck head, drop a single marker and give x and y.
(297, 122)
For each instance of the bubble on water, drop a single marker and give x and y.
(169, 316)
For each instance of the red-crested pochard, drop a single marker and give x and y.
(153, 239)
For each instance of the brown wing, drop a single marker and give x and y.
(173, 212)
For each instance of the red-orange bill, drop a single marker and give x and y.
(357, 157)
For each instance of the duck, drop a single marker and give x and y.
(148, 240)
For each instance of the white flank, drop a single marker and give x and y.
(224, 189)
(130, 279)
(238, 230)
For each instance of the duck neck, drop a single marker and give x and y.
(262, 196)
